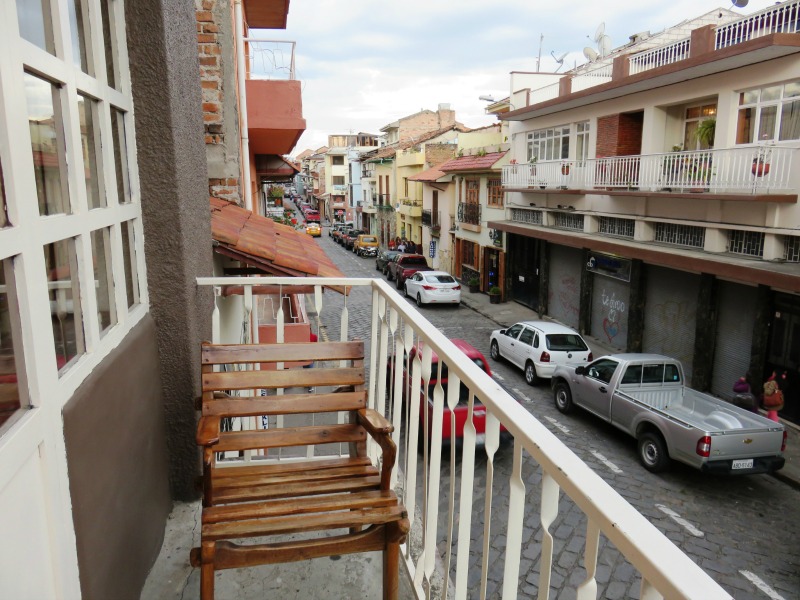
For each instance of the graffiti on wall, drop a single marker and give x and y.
(565, 298)
(615, 309)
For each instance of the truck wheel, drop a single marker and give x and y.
(400, 284)
(494, 351)
(563, 397)
(653, 452)
(530, 374)
(388, 274)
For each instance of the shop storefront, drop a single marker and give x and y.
(610, 298)
(736, 313)
(522, 262)
(564, 293)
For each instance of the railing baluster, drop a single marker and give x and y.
(421, 376)
(465, 500)
(453, 393)
(395, 397)
(549, 513)
(491, 444)
(648, 592)
(412, 418)
(435, 443)
(588, 589)
(516, 511)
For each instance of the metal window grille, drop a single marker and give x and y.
(791, 248)
(680, 235)
(568, 221)
(618, 227)
(531, 217)
(748, 243)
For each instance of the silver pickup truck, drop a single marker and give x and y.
(644, 395)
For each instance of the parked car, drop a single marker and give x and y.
(644, 395)
(537, 347)
(343, 234)
(334, 227)
(392, 259)
(384, 256)
(462, 408)
(312, 216)
(405, 266)
(366, 245)
(350, 237)
(313, 229)
(433, 287)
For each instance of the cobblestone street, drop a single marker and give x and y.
(743, 531)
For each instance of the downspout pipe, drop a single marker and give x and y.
(241, 78)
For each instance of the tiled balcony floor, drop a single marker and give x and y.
(351, 577)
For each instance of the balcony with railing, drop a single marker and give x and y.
(752, 170)
(469, 213)
(411, 207)
(274, 96)
(384, 202)
(466, 540)
(433, 220)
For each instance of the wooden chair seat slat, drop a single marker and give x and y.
(276, 508)
(289, 378)
(292, 466)
(227, 481)
(303, 523)
(266, 492)
(289, 436)
(214, 354)
(287, 404)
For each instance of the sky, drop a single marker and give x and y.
(364, 64)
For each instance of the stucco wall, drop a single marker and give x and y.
(116, 455)
(162, 40)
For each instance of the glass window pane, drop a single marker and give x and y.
(750, 97)
(103, 279)
(129, 254)
(9, 386)
(120, 156)
(791, 90)
(78, 34)
(35, 24)
(109, 43)
(745, 126)
(65, 307)
(87, 109)
(771, 93)
(766, 123)
(47, 145)
(4, 222)
(790, 120)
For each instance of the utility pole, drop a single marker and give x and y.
(539, 58)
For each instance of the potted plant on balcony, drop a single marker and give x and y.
(705, 132)
(494, 294)
(474, 284)
(761, 162)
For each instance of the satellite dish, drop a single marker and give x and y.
(740, 3)
(559, 59)
(601, 29)
(604, 45)
(590, 54)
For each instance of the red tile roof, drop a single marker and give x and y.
(261, 242)
(472, 163)
(429, 176)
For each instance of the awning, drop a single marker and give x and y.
(264, 244)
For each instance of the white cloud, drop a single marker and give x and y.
(365, 64)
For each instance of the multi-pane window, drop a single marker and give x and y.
(494, 190)
(791, 248)
(337, 160)
(472, 191)
(523, 215)
(564, 220)
(617, 227)
(70, 223)
(582, 141)
(549, 144)
(748, 243)
(693, 117)
(338, 180)
(680, 235)
(769, 114)
(469, 253)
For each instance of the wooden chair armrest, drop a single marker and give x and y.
(374, 422)
(208, 431)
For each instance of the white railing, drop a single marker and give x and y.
(451, 502)
(270, 59)
(744, 170)
(781, 18)
(543, 94)
(597, 75)
(658, 57)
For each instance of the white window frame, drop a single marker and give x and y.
(551, 143)
(759, 105)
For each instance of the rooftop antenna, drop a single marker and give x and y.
(590, 54)
(598, 33)
(559, 59)
(539, 59)
(604, 45)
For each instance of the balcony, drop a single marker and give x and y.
(384, 202)
(411, 208)
(410, 157)
(450, 501)
(469, 214)
(432, 219)
(754, 173)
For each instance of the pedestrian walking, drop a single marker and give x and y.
(773, 397)
(401, 247)
(743, 395)
(411, 247)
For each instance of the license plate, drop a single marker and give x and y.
(742, 464)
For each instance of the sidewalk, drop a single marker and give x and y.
(508, 313)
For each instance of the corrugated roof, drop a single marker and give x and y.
(261, 242)
(472, 163)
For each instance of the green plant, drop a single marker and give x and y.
(276, 191)
(473, 281)
(481, 152)
(705, 132)
(461, 152)
(494, 291)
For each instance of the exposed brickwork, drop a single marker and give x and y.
(436, 154)
(425, 121)
(620, 134)
(227, 189)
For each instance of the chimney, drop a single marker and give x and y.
(447, 116)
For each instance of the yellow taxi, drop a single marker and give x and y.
(313, 229)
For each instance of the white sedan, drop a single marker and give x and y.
(433, 287)
(537, 347)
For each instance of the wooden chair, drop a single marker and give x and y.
(262, 499)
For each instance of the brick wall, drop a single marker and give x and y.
(620, 134)
(216, 70)
(436, 154)
(426, 121)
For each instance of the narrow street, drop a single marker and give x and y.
(743, 531)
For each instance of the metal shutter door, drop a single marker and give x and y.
(610, 311)
(670, 315)
(564, 294)
(736, 313)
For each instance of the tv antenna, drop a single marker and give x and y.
(559, 59)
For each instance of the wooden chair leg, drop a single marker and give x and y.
(207, 571)
(391, 566)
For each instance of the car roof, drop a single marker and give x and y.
(471, 351)
(434, 273)
(548, 327)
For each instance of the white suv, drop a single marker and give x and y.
(537, 347)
